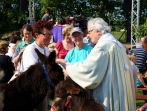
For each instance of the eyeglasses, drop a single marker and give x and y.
(90, 31)
(48, 35)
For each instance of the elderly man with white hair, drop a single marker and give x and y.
(106, 71)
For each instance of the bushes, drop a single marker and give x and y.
(141, 31)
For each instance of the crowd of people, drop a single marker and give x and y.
(99, 65)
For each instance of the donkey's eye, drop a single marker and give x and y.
(56, 96)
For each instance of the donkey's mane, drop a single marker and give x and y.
(26, 82)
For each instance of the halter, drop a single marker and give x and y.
(49, 84)
(66, 103)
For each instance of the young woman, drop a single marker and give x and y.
(27, 32)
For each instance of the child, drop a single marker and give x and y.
(139, 80)
(6, 66)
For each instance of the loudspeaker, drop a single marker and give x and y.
(128, 5)
(24, 5)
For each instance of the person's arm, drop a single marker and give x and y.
(50, 18)
(62, 62)
(68, 58)
(140, 77)
(43, 17)
(142, 108)
(18, 58)
(91, 72)
(58, 48)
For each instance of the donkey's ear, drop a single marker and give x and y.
(72, 90)
(52, 56)
(38, 53)
(41, 56)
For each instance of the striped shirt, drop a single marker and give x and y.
(141, 55)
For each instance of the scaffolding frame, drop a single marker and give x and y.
(31, 9)
(134, 20)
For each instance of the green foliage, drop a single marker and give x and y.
(11, 17)
(141, 31)
(89, 8)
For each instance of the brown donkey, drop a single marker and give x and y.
(69, 96)
(26, 91)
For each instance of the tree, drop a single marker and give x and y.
(89, 8)
(11, 17)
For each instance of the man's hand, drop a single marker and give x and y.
(65, 73)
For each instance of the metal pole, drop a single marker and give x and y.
(134, 20)
(138, 12)
(31, 9)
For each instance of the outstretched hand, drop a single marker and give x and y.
(61, 61)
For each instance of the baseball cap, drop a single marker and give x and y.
(75, 29)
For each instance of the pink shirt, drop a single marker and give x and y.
(61, 50)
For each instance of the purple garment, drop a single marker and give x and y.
(57, 33)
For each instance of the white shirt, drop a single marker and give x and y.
(30, 57)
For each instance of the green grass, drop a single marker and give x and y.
(139, 102)
(121, 36)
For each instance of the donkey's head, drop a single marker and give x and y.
(54, 70)
(69, 96)
(65, 92)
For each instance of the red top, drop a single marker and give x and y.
(61, 50)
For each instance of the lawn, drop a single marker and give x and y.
(139, 102)
(121, 36)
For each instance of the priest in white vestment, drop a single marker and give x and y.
(106, 71)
